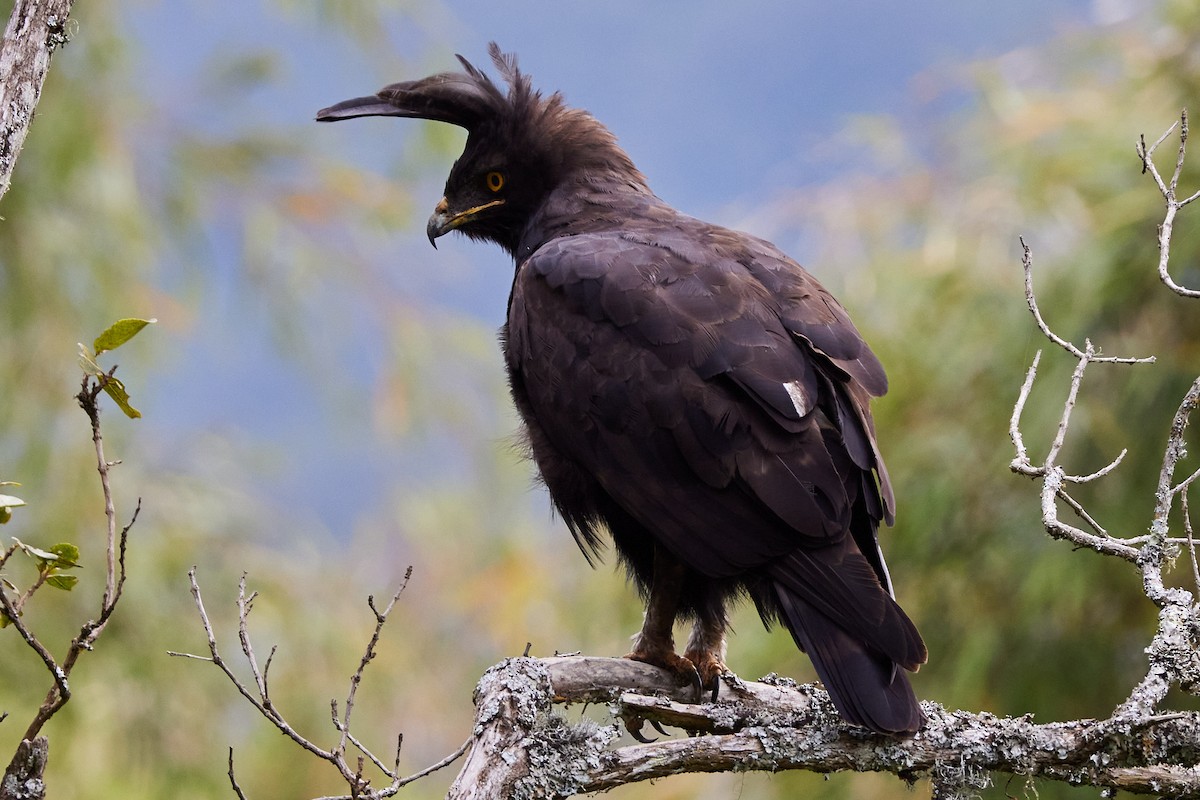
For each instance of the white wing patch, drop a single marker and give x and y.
(797, 394)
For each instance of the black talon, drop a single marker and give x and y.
(654, 724)
(636, 733)
(716, 690)
(698, 685)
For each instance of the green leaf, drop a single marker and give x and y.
(116, 390)
(68, 555)
(118, 334)
(64, 582)
(58, 557)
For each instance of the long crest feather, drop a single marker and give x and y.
(564, 138)
(507, 64)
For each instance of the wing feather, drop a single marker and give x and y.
(700, 384)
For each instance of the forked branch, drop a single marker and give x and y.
(1169, 189)
(260, 697)
(1049, 471)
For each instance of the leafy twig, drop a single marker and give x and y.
(60, 693)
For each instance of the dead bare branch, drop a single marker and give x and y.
(1168, 191)
(1031, 302)
(360, 787)
(1052, 475)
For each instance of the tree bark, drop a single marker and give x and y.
(34, 30)
(23, 778)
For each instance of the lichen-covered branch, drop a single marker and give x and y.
(23, 778)
(34, 30)
(523, 750)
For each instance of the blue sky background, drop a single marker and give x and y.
(720, 104)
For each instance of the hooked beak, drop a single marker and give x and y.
(442, 221)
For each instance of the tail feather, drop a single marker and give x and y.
(839, 583)
(868, 689)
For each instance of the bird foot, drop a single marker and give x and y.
(699, 670)
(709, 667)
(685, 674)
(685, 671)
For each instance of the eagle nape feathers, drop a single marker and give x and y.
(686, 388)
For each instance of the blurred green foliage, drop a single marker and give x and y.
(111, 214)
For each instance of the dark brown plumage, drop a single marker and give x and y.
(688, 388)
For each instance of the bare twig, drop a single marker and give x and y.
(1021, 462)
(1154, 553)
(368, 654)
(1052, 475)
(1168, 190)
(260, 697)
(245, 604)
(256, 700)
(87, 401)
(233, 779)
(1083, 514)
(14, 618)
(1031, 302)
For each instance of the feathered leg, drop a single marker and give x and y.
(655, 644)
(706, 648)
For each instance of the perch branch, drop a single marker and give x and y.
(523, 750)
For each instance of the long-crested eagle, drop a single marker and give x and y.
(686, 387)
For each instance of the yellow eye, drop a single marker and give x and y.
(495, 181)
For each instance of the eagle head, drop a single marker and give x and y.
(521, 148)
